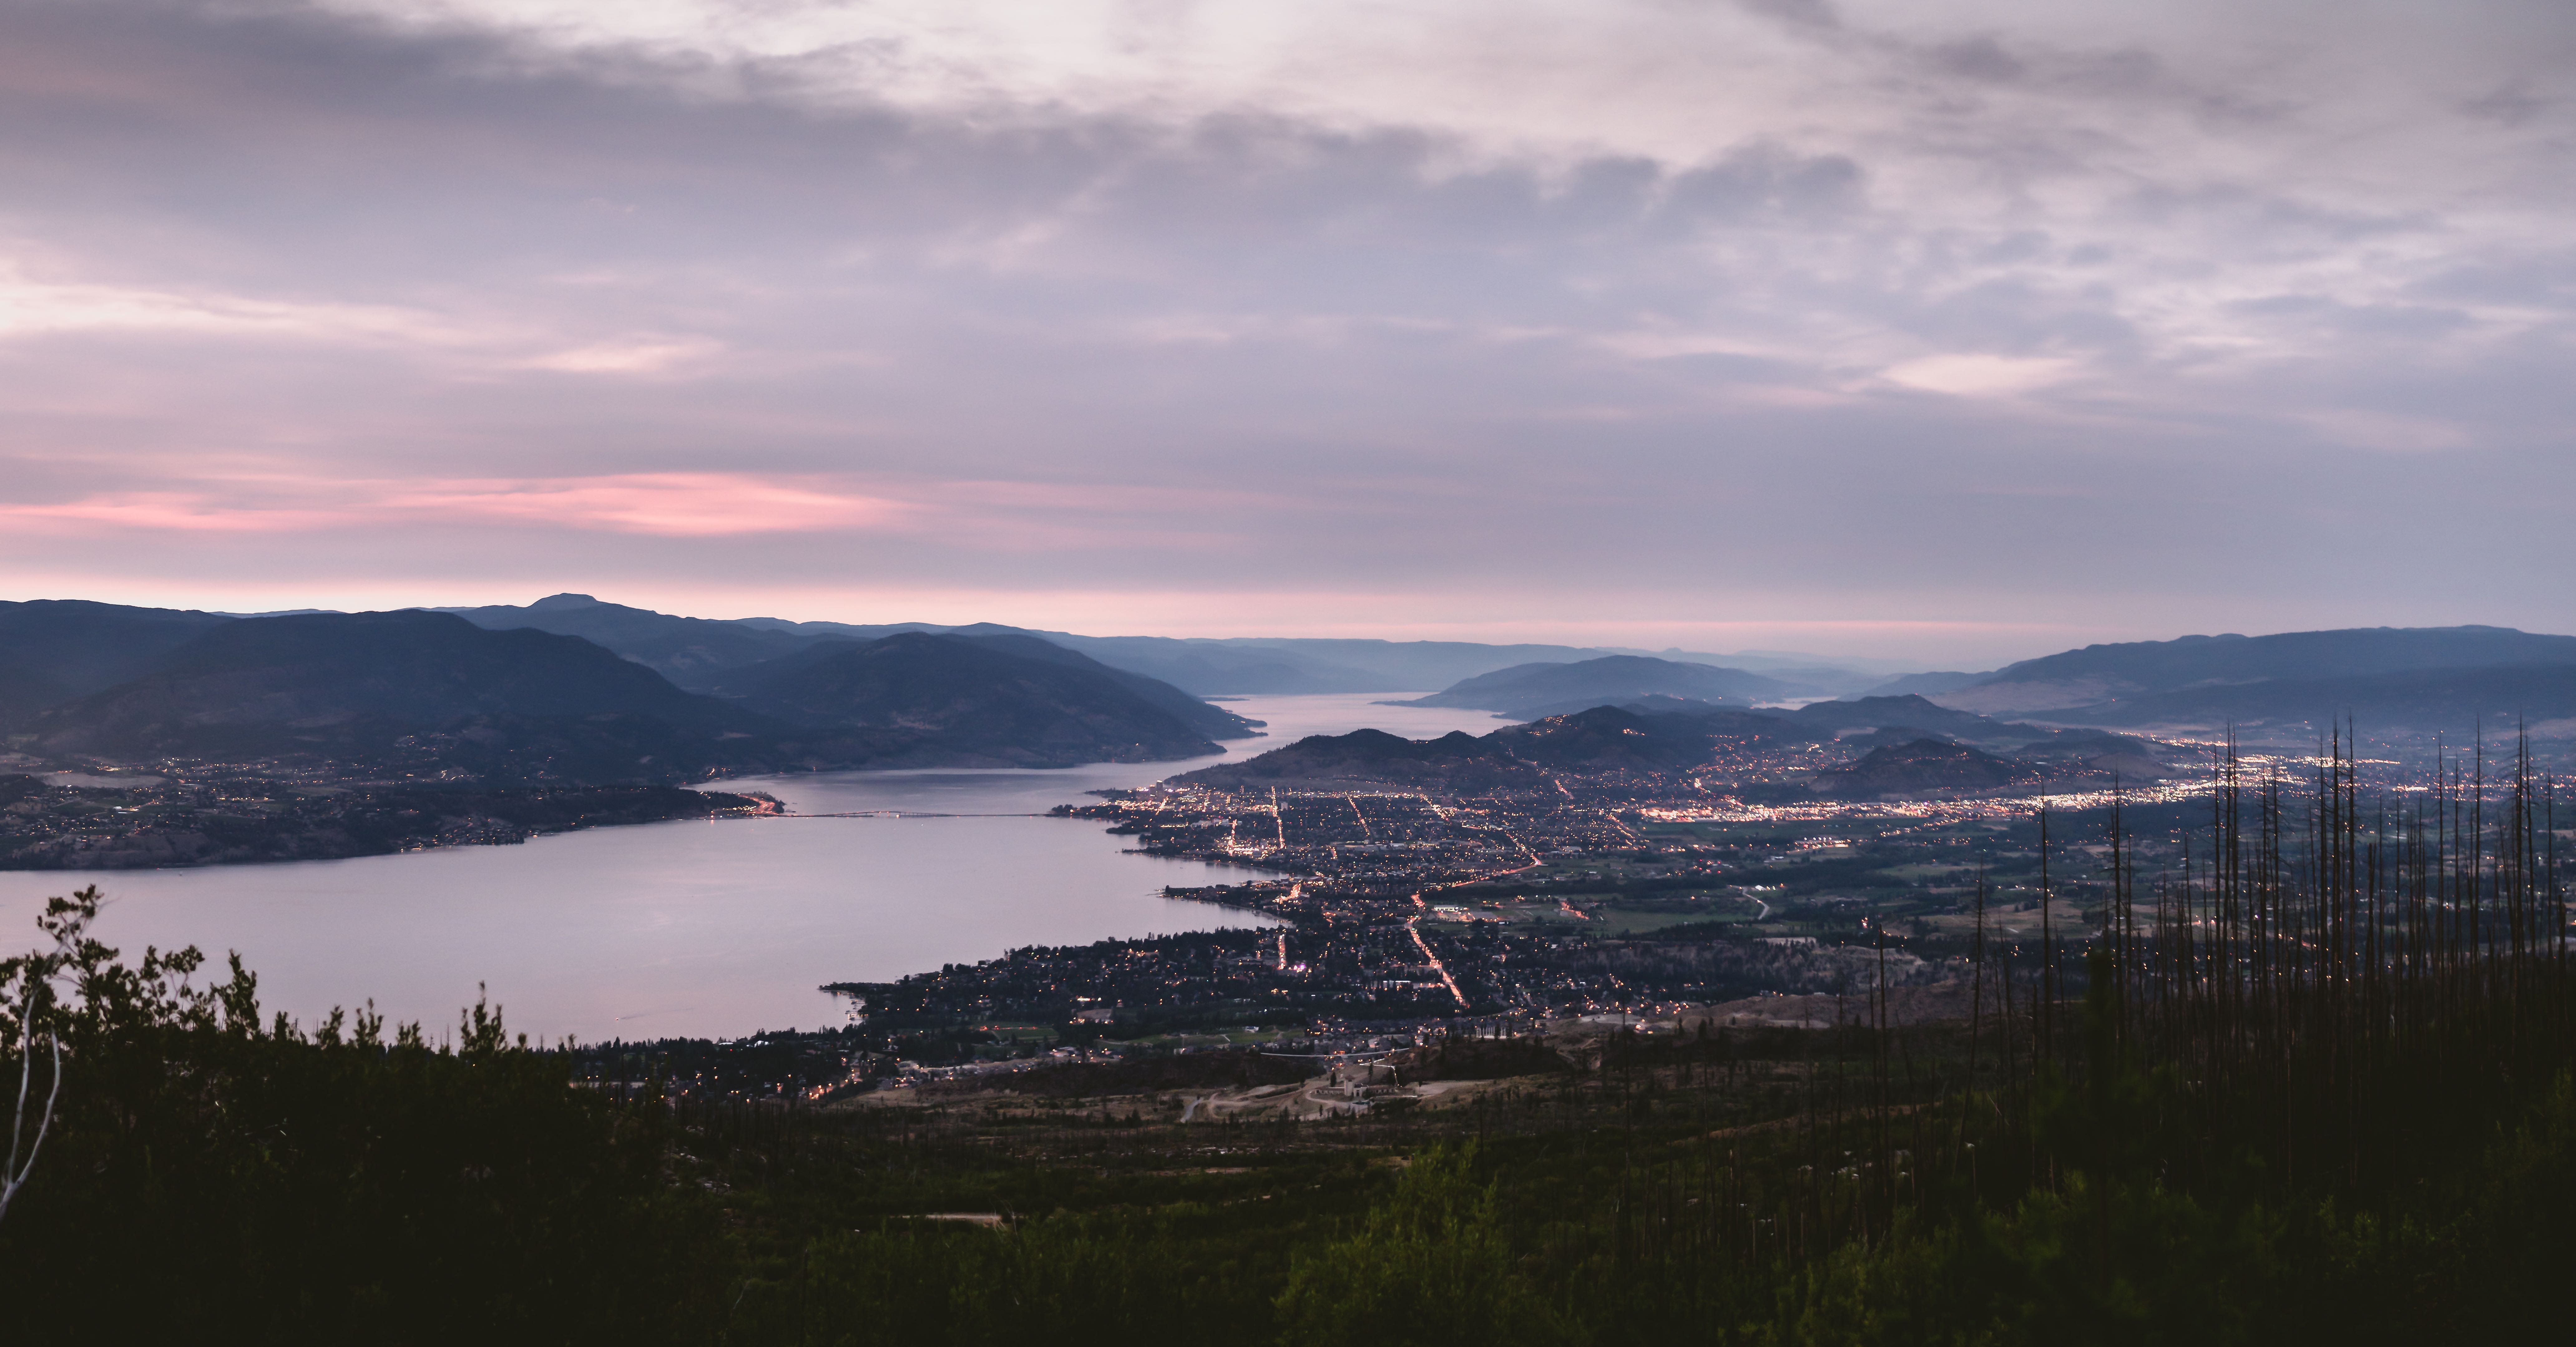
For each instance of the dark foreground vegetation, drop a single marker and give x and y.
(2312, 1086)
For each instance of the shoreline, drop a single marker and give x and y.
(177, 824)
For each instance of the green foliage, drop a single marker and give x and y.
(213, 1176)
(1430, 1267)
(2146, 1266)
(1116, 1278)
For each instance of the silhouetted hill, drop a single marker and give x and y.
(1606, 738)
(1922, 767)
(1603, 739)
(417, 694)
(2090, 682)
(1211, 720)
(1610, 740)
(1653, 703)
(703, 654)
(958, 701)
(1454, 761)
(427, 695)
(53, 650)
(1526, 689)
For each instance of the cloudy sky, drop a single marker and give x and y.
(1952, 331)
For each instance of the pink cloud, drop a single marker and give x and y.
(994, 515)
(180, 511)
(679, 505)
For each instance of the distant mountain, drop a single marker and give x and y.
(1933, 768)
(433, 696)
(1205, 717)
(2457, 703)
(1802, 680)
(1609, 739)
(1778, 663)
(705, 655)
(1516, 756)
(1278, 664)
(2124, 756)
(1923, 767)
(930, 700)
(1456, 761)
(689, 651)
(54, 650)
(699, 653)
(1652, 703)
(1214, 668)
(1392, 665)
(1923, 684)
(1529, 689)
(2103, 684)
(695, 652)
(1829, 720)
(408, 694)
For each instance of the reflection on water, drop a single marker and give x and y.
(699, 928)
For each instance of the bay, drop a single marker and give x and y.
(695, 928)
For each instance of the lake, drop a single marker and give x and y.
(697, 928)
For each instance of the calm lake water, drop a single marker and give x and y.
(704, 929)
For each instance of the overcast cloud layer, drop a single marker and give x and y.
(1956, 331)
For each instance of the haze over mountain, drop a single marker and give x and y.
(2423, 679)
(2456, 703)
(1556, 688)
(1924, 684)
(691, 650)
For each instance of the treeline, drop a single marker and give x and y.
(203, 1173)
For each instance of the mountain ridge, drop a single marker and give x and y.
(54, 650)
(422, 695)
(1540, 687)
(2104, 683)
(919, 698)
(1201, 666)
(410, 692)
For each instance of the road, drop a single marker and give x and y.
(1413, 927)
